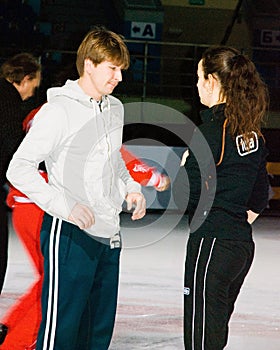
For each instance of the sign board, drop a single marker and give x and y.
(143, 30)
(270, 37)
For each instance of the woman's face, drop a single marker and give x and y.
(203, 86)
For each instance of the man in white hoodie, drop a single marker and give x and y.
(78, 134)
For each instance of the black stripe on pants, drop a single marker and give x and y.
(214, 273)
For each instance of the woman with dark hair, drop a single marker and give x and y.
(234, 181)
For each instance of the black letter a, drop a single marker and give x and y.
(148, 30)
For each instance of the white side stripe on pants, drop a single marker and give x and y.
(194, 288)
(53, 285)
(204, 292)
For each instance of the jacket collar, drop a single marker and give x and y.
(214, 113)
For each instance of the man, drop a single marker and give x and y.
(20, 76)
(23, 318)
(78, 133)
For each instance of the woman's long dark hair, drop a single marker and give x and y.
(244, 91)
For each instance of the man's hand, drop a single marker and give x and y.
(82, 216)
(138, 200)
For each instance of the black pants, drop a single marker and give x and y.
(80, 289)
(215, 270)
(3, 237)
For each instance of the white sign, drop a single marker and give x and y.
(143, 30)
(270, 37)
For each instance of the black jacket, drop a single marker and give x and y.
(220, 195)
(11, 118)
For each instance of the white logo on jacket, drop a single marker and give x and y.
(140, 168)
(246, 147)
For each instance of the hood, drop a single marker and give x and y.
(71, 90)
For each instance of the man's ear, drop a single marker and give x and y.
(24, 80)
(88, 65)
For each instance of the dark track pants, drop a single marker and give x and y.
(3, 237)
(80, 289)
(215, 270)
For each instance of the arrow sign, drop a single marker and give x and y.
(136, 29)
(143, 30)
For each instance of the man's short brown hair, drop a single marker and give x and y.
(101, 45)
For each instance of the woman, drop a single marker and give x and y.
(234, 186)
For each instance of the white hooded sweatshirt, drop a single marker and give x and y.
(81, 149)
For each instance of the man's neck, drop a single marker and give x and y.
(88, 89)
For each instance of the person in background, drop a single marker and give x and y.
(20, 76)
(220, 249)
(78, 134)
(23, 318)
(143, 173)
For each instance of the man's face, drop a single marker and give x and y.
(104, 77)
(27, 87)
